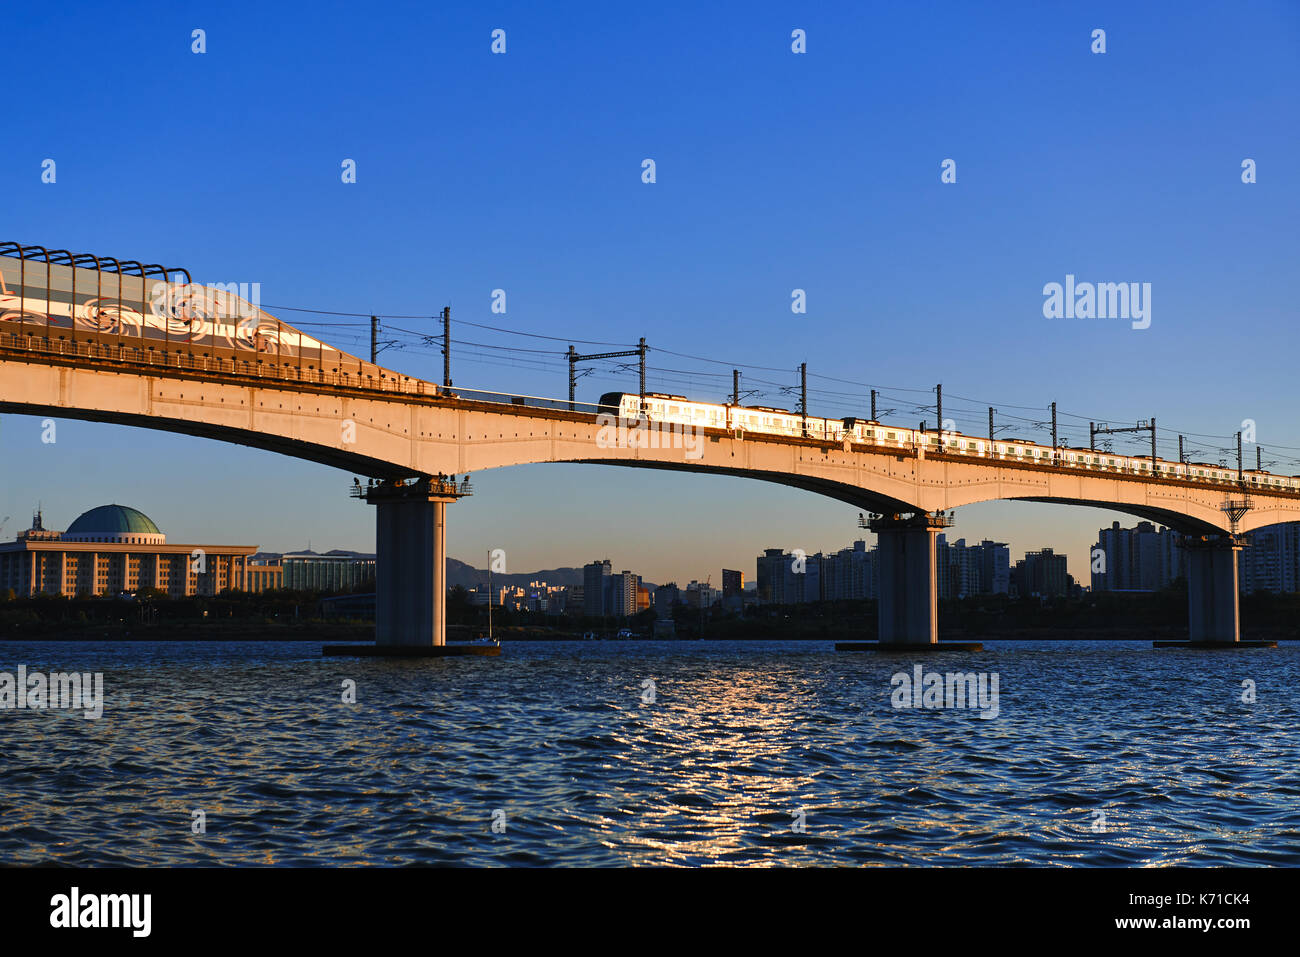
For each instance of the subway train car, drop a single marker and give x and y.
(662, 407)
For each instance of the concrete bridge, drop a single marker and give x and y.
(413, 436)
(108, 340)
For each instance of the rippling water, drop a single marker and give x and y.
(739, 737)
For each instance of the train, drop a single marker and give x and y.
(739, 419)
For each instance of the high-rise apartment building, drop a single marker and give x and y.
(595, 588)
(1143, 558)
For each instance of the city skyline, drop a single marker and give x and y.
(1252, 570)
(12, 527)
(1143, 557)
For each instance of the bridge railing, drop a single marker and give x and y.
(531, 401)
(268, 368)
(272, 370)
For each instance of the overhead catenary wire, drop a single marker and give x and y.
(900, 397)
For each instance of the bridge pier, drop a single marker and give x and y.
(410, 565)
(1213, 595)
(908, 602)
(410, 569)
(1213, 590)
(909, 586)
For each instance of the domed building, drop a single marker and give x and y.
(117, 524)
(116, 549)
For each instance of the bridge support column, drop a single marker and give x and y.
(410, 568)
(909, 588)
(1213, 603)
(1213, 596)
(908, 601)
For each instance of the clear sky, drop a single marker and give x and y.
(775, 171)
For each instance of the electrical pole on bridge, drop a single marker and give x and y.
(803, 396)
(1142, 426)
(574, 359)
(446, 346)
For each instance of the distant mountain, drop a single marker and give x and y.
(461, 573)
(466, 575)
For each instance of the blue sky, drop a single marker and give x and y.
(775, 171)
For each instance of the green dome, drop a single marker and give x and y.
(113, 520)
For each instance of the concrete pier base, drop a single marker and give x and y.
(409, 651)
(908, 647)
(1213, 645)
(909, 588)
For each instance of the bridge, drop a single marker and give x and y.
(128, 344)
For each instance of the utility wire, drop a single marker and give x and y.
(787, 388)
